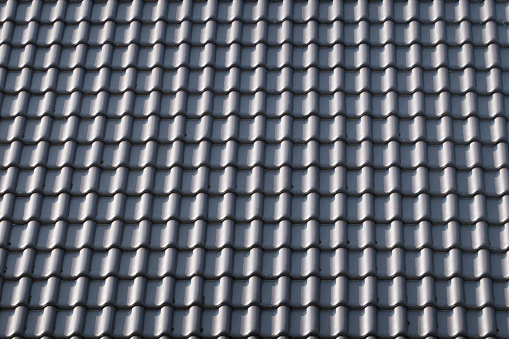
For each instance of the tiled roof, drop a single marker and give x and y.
(254, 168)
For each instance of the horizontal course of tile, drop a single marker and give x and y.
(229, 169)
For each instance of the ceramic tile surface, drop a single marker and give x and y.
(267, 169)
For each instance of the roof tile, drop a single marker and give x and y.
(289, 169)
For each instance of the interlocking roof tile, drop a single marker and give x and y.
(254, 169)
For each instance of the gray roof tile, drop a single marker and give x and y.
(267, 169)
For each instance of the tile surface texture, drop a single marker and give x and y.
(266, 169)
